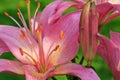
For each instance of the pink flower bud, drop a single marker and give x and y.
(88, 31)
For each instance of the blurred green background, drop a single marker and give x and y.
(10, 7)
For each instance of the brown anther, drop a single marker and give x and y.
(27, 1)
(55, 49)
(7, 14)
(22, 35)
(38, 6)
(61, 34)
(19, 16)
(21, 51)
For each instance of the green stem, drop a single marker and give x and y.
(82, 60)
(54, 78)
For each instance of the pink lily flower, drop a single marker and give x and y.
(109, 50)
(47, 48)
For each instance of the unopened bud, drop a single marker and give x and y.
(88, 31)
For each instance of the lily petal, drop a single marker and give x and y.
(11, 66)
(3, 47)
(15, 39)
(61, 34)
(103, 10)
(60, 9)
(111, 17)
(115, 37)
(117, 6)
(76, 70)
(47, 13)
(107, 12)
(111, 54)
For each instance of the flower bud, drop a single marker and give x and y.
(88, 31)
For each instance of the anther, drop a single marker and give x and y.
(61, 34)
(22, 35)
(56, 48)
(7, 14)
(21, 51)
(19, 13)
(12, 19)
(38, 6)
(27, 1)
(19, 16)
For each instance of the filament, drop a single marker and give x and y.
(13, 19)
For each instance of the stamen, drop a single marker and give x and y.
(29, 16)
(18, 13)
(55, 49)
(24, 36)
(25, 25)
(37, 64)
(36, 11)
(23, 52)
(38, 5)
(51, 52)
(13, 19)
(7, 14)
(22, 18)
(61, 34)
